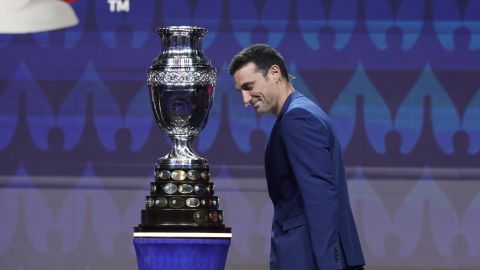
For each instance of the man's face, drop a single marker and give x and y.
(257, 90)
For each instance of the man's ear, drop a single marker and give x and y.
(275, 72)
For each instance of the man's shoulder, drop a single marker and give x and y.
(301, 105)
(304, 114)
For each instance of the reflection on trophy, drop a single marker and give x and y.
(181, 204)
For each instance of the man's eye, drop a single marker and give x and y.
(249, 87)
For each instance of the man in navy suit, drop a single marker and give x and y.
(313, 226)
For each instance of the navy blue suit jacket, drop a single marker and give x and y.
(313, 225)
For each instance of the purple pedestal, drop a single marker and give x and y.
(181, 253)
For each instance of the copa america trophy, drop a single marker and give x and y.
(181, 204)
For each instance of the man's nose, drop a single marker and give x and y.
(246, 98)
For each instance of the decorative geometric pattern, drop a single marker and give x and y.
(399, 79)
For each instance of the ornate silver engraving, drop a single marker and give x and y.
(181, 78)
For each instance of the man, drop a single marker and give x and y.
(313, 226)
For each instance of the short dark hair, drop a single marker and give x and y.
(263, 56)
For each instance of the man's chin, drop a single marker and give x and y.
(260, 111)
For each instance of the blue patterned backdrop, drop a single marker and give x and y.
(400, 78)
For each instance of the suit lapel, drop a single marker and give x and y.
(267, 157)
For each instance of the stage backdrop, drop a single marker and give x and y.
(400, 78)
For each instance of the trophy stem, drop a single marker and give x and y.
(182, 152)
(182, 147)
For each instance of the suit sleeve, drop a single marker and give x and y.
(306, 139)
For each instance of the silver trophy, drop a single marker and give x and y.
(181, 82)
(181, 210)
(182, 85)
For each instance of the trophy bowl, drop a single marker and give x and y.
(181, 83)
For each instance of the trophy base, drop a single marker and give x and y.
(186, 162)
(183, 218)
(182, 196)
(195, 170)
